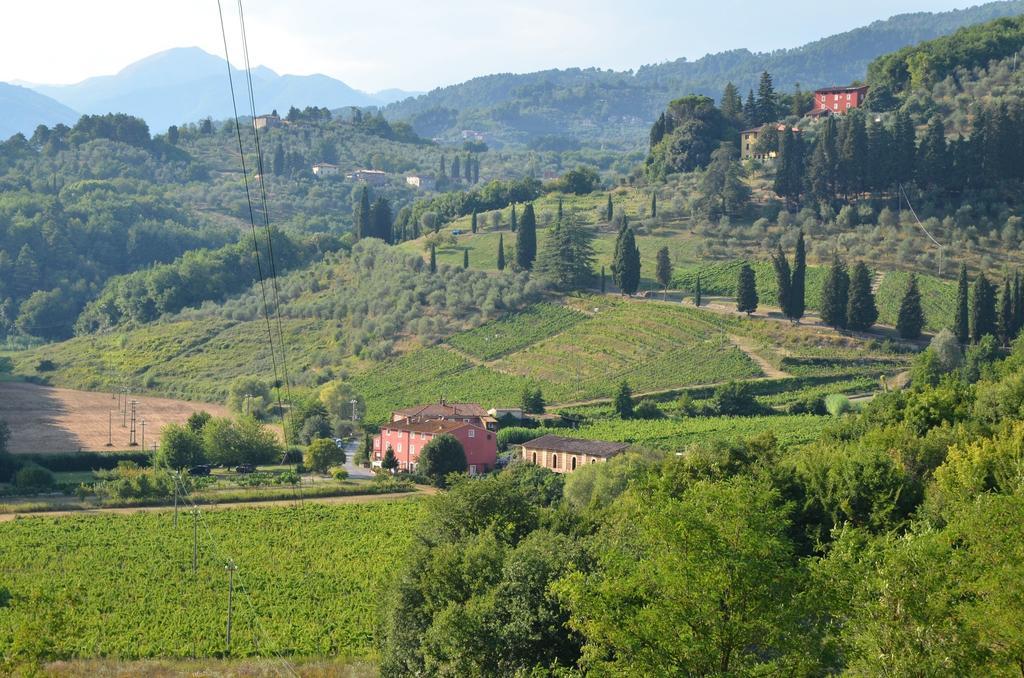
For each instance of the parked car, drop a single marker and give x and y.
(201, 470)
(340, 443)
(245, 468)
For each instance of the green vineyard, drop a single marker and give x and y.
(308, 582)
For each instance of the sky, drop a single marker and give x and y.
(413, 44)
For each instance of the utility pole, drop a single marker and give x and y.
(110, 427)
(143, 434)
(131, 435)
(177, 479)
(230, 567)
(195, 540)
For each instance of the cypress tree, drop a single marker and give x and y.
(515, 224)
(835, 295)
(1018, 305)
(465, 258)
(602, 280)
(910, 320)
(750, 109)
(798, 280)
(626, 262)
(443, 167)
(697, 293)
(472, 222)
(1005, 325)
(962, 319)
(746, 290)
(467, 169)
(380, 220)
(526, 238)
(608, 211)
(663, 271)
(732, 104)
(862, 312)
(501, 251)
(766, 106)
(983, 309)
(904, 148)
(433, 258)
(364, 229)
(783, 282)
(624, 401)
(654, 204)
(456, 168)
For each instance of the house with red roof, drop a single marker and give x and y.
(406, 436)
(839, 100)
(469, 413)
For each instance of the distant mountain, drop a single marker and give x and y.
(187, 84)
(562, 107)
(21, 110)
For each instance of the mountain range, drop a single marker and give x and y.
(557, 109)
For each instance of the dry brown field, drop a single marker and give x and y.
(52, 420)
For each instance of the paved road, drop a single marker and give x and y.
(351, 447)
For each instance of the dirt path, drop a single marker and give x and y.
(744, 344)
(349, 499)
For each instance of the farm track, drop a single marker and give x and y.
(744, 344)
(349, 499)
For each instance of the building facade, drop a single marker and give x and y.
(266, 121)
(371, 177)
(326, 169)
(407, 438)
(839, 99)
(565, 455)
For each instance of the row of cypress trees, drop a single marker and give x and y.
(977, 312)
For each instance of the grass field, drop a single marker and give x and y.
(308, 582)
(47, 420)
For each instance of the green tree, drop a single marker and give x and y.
(526, 239)
(362, 216)
(249, 396)
(697, 297)
(465, 258)
(983, 309)
(789, 172)
(723, 189)
(624, 401)
(663, 270)
(533, 401)
(514, 224)
(197, 420)
(731, 104)
(501, 251)
(798, 280)
(472, 222)
(390, 461)
(962, 319)
(608, 214)
(766, 107)
(835, 295)
(278, 162)
(783, 282)
(718, 553)
(441, 456)
(746, 290)
(626, 262)
(1005, 321)
(321, 454)
(654, 204)
(381, 220)
(861, 312)
(180, 447)
(910, 320)
(433, 258)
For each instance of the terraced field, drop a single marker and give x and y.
(517, 331)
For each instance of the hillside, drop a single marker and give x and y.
(572, 106)
(22, 109)
(186, 84)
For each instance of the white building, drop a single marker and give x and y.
(326, 169)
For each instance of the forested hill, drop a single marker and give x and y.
(562, 108)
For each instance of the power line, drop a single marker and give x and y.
(248, 199)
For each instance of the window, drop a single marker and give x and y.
(822, 98)
(573, 463)
(472, 469)
(534, 458)
(472, 433)
(412, 449)
(399, 448)
(554, 461)
(847, 96)
(592, 460)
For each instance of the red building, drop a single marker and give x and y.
(407, 437)
(469, 413)
(839, 99)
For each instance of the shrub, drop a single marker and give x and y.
(339, 474)
(45, 366)
(322, 454)
(440, 457)
(837, 404)
(734, 399)
(33, 477)
(647, 409)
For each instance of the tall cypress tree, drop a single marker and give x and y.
(1018, 305)
(746, 290)
(910, 320)
(904, 148)
(380, 219)
(456, 168)
(983, 309)
(697, 296)
(861, 312)
(654, 204)
(962, 319)
(472, 222)
(798, 281)
(515, 223)
(1005, 321)
(835, 295)
(364, 229)
(766, 106)
(783, 281)
(750, 110)
(501, 251)
(467, 169)
(602, 280)
(526, 238)
(663, 271)
(626, 262)
(465, 258)
(278, 167)
(443, 168)
(608, 211)
(732, 104)
(433, 258)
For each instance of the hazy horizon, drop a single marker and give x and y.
(419, 48)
